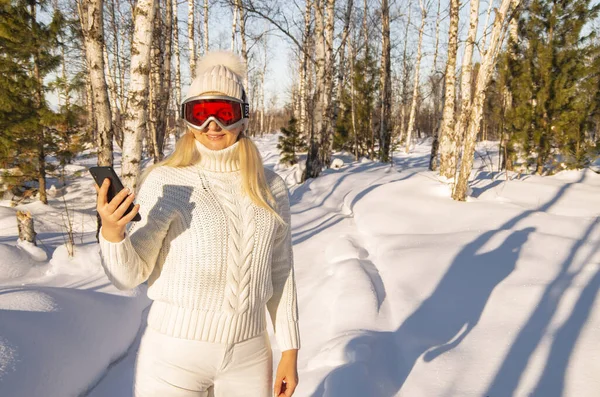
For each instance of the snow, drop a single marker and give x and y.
(402, 291)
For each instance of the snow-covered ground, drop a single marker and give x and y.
(402, 291)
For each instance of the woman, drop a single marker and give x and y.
(214, 243)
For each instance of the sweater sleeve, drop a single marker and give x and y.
(282, 305)
(130, 262)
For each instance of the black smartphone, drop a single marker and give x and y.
(102, 172)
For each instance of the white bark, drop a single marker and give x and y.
(404, 91)
(178, 122)
(91, 18)
(352, 95)
(413, 105)
(385, 84)
(233, 27)
(263, 71)
(448, 139)
(206, 43)
(135, 124)
(485, 26)
(304, 72)
(483, 78)
(191, 37)
(314, 162)
(342, 52)
(467, 69)
(328, 121)
(242, 15)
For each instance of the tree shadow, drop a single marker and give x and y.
(380, 362)
(552, 382)
(179, 218)
(335, 218)
(509, 374)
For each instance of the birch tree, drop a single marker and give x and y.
(178, 122)
(386, 94)
(467, 69)
(448, 138)
(313, 160)
(488, 63)
(304, 71)
(191, 37)
(342, 54)
(328, 121)
(206, 43)
(405, 76)
(242, 16)
(234, 20)
(160, 86)
(92, 26)
(413, 105)
(435, 93)
(135, 122)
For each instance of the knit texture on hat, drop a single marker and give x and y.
(220, 71)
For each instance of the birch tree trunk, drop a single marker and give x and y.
(433, 160)
(365, 32)
(304, 72)
(242, 15)
(313, 160)
(352, 96)
(448, 138)
(92, 21)
(89, 107)
(467, 69)
(385, 82)
(413, 105)
(160, 83)
(113, 96)
(263, 71)
(404, 90)
(191, 37)
(178, 121)
(234, 27)
(485, 25)
(39, 99)
(168, 82)
(117, 90)
(135, 123)
(342, 52)
(328, 121)
(483, 78)
(206, 43)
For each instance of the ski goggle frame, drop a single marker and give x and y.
(226, 111)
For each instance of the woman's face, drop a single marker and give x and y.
(217, 138)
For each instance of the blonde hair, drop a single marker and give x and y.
(254, 182)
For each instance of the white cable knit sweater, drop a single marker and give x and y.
(213, 259)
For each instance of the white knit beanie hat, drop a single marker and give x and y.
(219, 71)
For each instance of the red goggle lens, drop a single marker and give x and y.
(227, 112)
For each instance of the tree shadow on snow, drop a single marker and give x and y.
(551, 383)
(380, 362)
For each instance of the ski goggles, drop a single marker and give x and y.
(226, 111)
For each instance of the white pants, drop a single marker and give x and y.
(174, 367)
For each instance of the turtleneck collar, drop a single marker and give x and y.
(223, 160)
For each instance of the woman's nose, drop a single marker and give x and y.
(213, 126)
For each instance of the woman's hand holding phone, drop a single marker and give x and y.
(111, 213)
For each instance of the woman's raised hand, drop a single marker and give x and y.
(111, 213)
